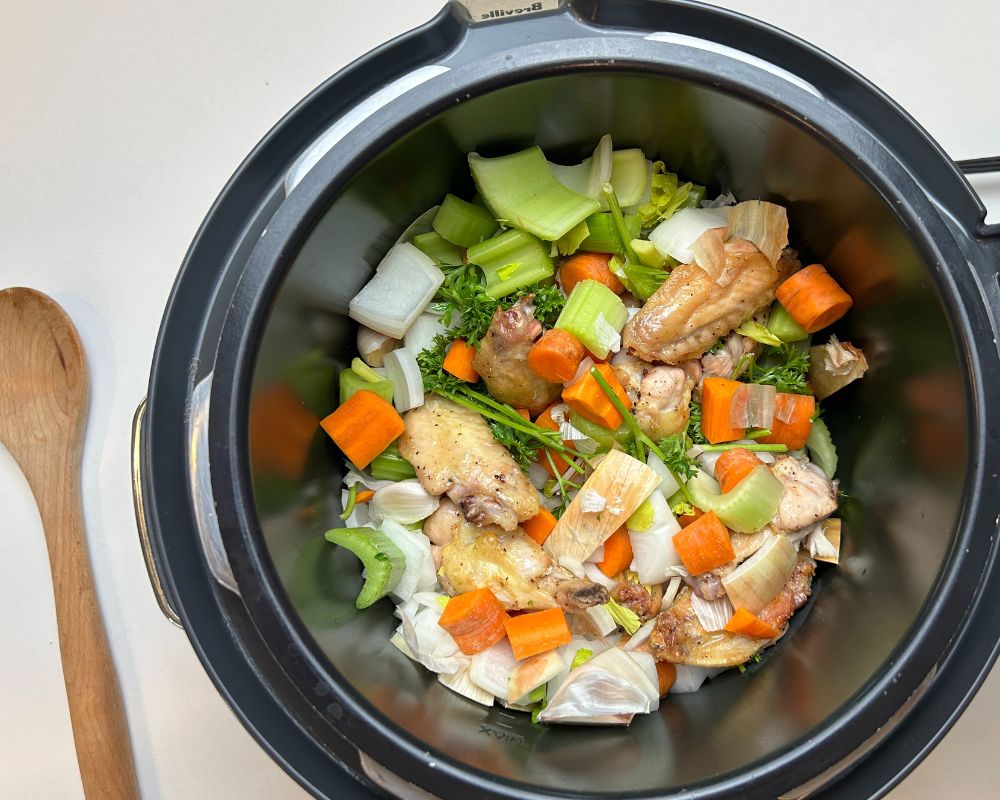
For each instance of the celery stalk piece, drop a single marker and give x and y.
(603, 237)
(821, 448)
(605, 439)
(462, 223)
(389, 465)
(351, 382)
(629, 175)
(784, 327)
(595, 315)
(383, 561)
(522, 190)
(570, 243)
(746, 508)
(695, 197)
(365, 371)
(510, 261)
(649, 256)
(437, 247)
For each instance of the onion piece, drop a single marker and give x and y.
(689, 679)
(653, 549)
(593, 572)
(753, 406)
(537, 475)
(834, 365)
(531, 673)
(670, 591)
(611, 683)
(757, 581)
(372, 345)
(640, 636)
(407, 383)
(419, 574)
(461, 683)
(583, 369)
(422, 332)
(602, 620)
(429, 643)
(404, 502)
(674, 236)
(763, 224)
(572, 565)
(491, 669)
(608, 337)
(668, 483)
(709, 251)
(589, 176)
(402, 286)
(712, 614)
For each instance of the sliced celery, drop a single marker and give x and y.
(389, 465)
(784, 327)
(629, 173)
(383, 561)
(462, 223)
(649, 256)
(594, 315)
(570, 243)
(694, 197)
(522, 190)
(437, 247)
(603, 237)
(581, 657)
(821, 448)
(351, 382)
(605, 439)
(639, 278)
(746, 508)
(365, 371)
(511, 261)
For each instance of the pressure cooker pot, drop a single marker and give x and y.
(233, 494)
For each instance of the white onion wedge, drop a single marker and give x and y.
(674, 236)
(407, 383)
(757, 581)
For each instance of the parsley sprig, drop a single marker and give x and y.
(784, 367)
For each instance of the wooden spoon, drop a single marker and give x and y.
(43, 409)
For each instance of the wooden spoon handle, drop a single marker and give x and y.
(100, 731)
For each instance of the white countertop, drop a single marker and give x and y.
(120, 123)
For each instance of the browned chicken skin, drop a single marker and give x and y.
(809, 496)
(453, 452)
(510, 564)
(502, 359)
(690, 311)
(678, 637)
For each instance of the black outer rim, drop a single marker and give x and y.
(217, 624)
(369, 730)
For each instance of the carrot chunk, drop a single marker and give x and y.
(617, 553)
(556, 356)
(544, 420)
(537, 632)
(475, 620)
(799, 410)
(586, 397)
(716, 402)
(666, 676)
(363, 427)
(704, 544)
(589, 266)
(749, 624)
(813, 298)
(459, 361)
(733, 466)
(540, 526)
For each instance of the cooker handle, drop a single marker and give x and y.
(149, 552)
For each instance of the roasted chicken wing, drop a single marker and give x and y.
(661, 395)
(809, 495)
(453, 452)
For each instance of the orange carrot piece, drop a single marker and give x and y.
(746, 623)
(544, 420)
(733, 466)
(459, 361)
(800, 409)
(363, 427)
(592, 266)
(586, 397)
(524, 413)
(694, 516)
(281, 432)
(556, 356)
(364, 496)
(537, 632)
(813, 298)
(617, 553)
(540, 526)
(666, 676)
(704, 544)
(716, 400)
(475, 620)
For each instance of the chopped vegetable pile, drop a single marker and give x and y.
(583, 434)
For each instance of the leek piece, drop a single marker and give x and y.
(605, 439)
(603, 237)
(590, 312)
(642, 517)
(624, 616)
(629, 174)
(440, 249)
(570, 243)
(351, 382)
(389, 465)
(784, 327)
(536, 695)
(511, 261)
(640, 279)
(648, 255)
(821, 448)
(462, 223)
(382, 560)
(746, 508)
(522, 190)
(582, 656)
